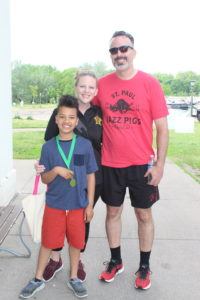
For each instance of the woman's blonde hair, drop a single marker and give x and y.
(82, 73)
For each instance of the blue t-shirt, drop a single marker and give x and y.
(59, 193)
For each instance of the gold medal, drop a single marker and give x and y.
(72, 182)
(67, 160)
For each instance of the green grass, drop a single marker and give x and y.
(34, 106)
(23, 123)
(184, 150)
(27, 145)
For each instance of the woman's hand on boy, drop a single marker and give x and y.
(88, 214)
(39, 168)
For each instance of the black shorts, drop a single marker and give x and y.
(116, 180)
(98, 192)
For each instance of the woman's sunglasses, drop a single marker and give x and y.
(122, 49)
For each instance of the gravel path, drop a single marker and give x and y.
(36, 114)
(28, 129)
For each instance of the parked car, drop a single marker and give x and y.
(198, 115)
(178, 105)
(195, 110)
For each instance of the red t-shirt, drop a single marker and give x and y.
(129, 108)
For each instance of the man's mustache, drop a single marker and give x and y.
(121, 57)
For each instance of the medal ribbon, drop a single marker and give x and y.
(67, 160)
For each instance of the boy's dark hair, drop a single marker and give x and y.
(67, 101)
(123, 33)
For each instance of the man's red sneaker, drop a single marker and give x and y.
(113, 268)
(142, 280)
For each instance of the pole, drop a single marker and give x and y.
(192, 83)
(191, 100)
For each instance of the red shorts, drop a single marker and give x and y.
(60, 223)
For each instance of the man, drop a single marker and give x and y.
(131, 101)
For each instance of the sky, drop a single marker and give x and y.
(69, 33)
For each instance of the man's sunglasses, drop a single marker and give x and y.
(122, 49)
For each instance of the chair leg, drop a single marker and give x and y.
(12, 251)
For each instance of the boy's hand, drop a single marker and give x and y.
(64, 172)
(88, 214)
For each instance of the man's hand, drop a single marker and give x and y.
(88, 214)
(154, 175)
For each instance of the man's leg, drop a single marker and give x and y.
(145, 228)
(113, 230)
(114, 225)
(146, 236)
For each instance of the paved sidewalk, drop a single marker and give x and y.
(175, 259)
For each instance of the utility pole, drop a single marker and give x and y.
(192, 83)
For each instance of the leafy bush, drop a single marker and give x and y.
(18, 117)
(29, 118)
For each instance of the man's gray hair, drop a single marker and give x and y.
(123, 33)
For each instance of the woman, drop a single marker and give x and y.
(90, 127)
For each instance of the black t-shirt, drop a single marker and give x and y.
(89, 127)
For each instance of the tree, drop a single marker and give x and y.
(165, 81)
(43, 84)
(34, 83)
(66, 83)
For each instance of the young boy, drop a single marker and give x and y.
(69, 173)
